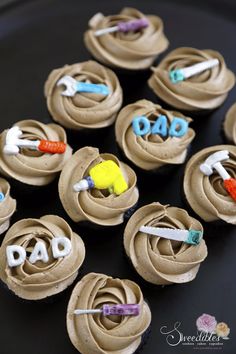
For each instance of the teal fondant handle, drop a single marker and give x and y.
(194, 237)
(176, 76)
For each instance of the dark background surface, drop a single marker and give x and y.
(38, 36)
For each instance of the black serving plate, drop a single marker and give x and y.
(37, 36)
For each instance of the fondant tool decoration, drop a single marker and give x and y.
(133, 25)
(73, 87)
(213, 162)
(179, 75)
(142, 126)
(14, 143)
(105, 175)
(16, 255)
(109, 310)
(2, 197)
(192, 237)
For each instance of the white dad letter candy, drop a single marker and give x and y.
(11, 252)
(39, 253)
(65, 243)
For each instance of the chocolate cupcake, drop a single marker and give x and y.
(204, 188)
(7, 205)
(99, 203)
(106, 332)
(152, 148)
(230, 125)
(84, 109)
(158, 259)
(39, 164)
(205, 91)
(132, 49)
(49, 257)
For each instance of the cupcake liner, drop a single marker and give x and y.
(144, 340)
(130, 212)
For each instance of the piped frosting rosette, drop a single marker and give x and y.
(230, 124)
(7, 205)
(159, 260)
(204, 91)
(207, 195)
(151, 151)
(133, 50)
(95, 205)
(31, 166)
(84, 109)
(40, 280)
(100, 334)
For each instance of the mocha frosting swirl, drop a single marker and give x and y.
(40, 280)
(230, 124)
(99, 334)
(204, 91)
(158, 260)
(131, 50)
(206, 194)
(7, 206)
(84, 110)
(150, 151)
(96, 206)
(34, 167)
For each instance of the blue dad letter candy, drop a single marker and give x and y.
(178, 127)
(141, 125)
(160, 126)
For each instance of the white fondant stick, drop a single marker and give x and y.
(90, 311)
(171, 234)
(198, 68)
(192, 237)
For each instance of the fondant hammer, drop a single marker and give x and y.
(14, 143)
(213, 162)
